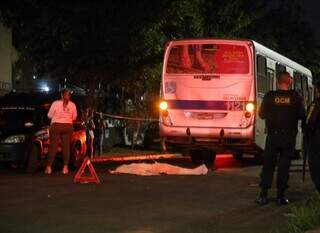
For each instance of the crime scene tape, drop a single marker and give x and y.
(127, 118)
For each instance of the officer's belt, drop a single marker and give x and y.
(282, 131)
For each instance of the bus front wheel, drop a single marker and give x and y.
(206, 157)
(196, 157)
(209, 158)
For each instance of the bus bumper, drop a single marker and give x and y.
(219, 138)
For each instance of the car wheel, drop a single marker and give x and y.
(34, 158)
(196, 157)
(209, 158)
(76, 156)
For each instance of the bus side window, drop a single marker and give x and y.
(307, 91)
(297, 80)
(262, 82)
(310, 94)
(270, 75)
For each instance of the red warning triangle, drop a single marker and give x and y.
(81, 178)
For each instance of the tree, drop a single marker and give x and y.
(122, 44)
(227, 20)
(283, 28)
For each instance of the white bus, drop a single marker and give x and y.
(211, 90)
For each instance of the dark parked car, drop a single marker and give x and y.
(24, 130)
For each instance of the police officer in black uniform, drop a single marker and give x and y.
(313, 137)
(281, 110)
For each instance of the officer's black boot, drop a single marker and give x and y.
(263, 197)
(281, 200)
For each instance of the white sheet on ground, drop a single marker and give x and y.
(146, 169)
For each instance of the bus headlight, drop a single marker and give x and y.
(250, 107)
(163, 105)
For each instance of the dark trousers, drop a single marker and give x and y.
(89, 143)
(98, 143)
(314, 159)
(279, 149)
(59, 132)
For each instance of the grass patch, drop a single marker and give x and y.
(305, 216)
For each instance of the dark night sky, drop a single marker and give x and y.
(312, 8)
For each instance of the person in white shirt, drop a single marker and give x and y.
(62, 114)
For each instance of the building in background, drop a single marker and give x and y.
(8, 56)
(5, 60)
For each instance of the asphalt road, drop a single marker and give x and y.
(220, 202)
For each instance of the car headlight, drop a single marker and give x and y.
(15, 139)
(28, 124)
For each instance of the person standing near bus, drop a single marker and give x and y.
(313, 137)
(281, 110)
(62, 114)
(89, 126)
(98, 133)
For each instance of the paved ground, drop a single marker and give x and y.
(220, 202)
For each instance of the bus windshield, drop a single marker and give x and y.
(208, 58)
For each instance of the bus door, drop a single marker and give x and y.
(266, 81)
(301, 86)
